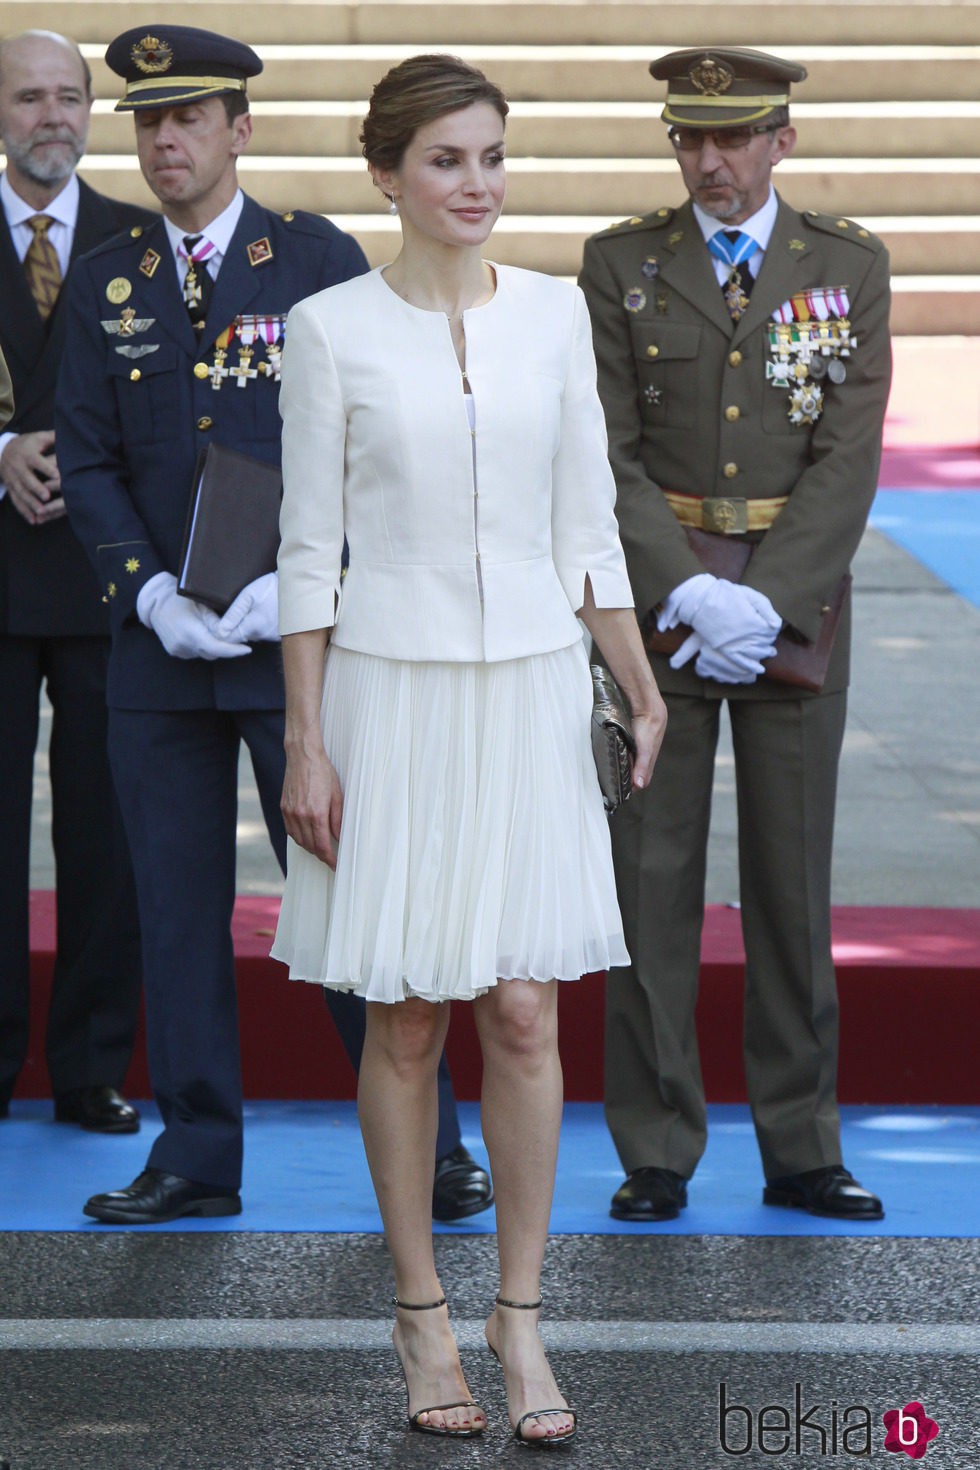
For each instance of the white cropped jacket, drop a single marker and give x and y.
(463, 546)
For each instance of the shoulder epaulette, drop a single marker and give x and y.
(653, 221)
(123, 241)
(845, 229)
(302, 221)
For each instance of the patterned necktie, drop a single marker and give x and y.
(734, 248)
(41, 266)
(198, 284)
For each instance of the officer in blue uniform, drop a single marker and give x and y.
(173, 343)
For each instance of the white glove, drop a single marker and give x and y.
(254, 615)
(713, 663)
(681, 605)
(731, 612)
(180, 623)
(729, 666)
(721, 612)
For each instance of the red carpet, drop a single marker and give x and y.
(932, 429)
(909, 983)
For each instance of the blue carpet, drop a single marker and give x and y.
(305, 1170)
(940, 528)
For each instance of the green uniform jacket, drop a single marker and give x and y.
(689, 408)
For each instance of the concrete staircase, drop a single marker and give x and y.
(888, 119)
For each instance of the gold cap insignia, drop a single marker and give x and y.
(259, 251)
(149, 263)
(152, 56)
(711, 77)
(118, 290)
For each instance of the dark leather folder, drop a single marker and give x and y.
(232, 532)
(796, 660)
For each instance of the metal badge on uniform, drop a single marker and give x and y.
(259, 251)
(118, 290)
(634, 300)
(141, 349)
(149, 264)
(152, 56)
(836, 371)
(650, 267)
(805, 404)
(128, 324)
(675, 238)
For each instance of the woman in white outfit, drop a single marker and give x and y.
(448, 838)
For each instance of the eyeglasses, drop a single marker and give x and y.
(726, 140)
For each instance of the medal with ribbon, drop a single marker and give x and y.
(809, 335)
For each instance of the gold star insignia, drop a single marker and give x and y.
(112, 589)
(132, 564)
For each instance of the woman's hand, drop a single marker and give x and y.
(617, 635)
(312, 804)
(649, 729)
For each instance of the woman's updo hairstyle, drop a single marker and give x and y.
(414, 93)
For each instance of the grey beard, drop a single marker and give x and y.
(55, 169)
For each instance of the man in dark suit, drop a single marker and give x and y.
(173, 343)
(53, 624)
(744, 366)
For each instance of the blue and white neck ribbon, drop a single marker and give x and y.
(732, 252)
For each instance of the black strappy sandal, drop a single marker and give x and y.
(538, 1441)
(413, 1419)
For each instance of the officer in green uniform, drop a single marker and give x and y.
(744, 365)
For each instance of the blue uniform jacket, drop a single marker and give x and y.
(140, 393)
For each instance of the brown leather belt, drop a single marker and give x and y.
(723, 514)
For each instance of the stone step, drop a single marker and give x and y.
(862, 130)
(607, 188)
(920, 244)
(666, 25)
(600, 73)
(947, 247)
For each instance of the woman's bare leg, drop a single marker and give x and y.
(398, 1109)
(521, 1109)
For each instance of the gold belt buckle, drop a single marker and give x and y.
(724, 516)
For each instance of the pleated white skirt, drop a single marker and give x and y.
(473, 845)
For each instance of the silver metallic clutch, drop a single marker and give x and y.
(612, 738)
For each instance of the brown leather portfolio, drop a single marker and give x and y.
(232, 532)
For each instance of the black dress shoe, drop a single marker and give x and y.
(832, 1191)
(460, 1187)
(99, 1109)
(156, 1197)
(650, 1194)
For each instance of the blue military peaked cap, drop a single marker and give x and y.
(167, 65)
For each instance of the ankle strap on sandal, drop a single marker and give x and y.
(418, 1306)
(503, 1301)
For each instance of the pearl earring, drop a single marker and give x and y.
(392, 206)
